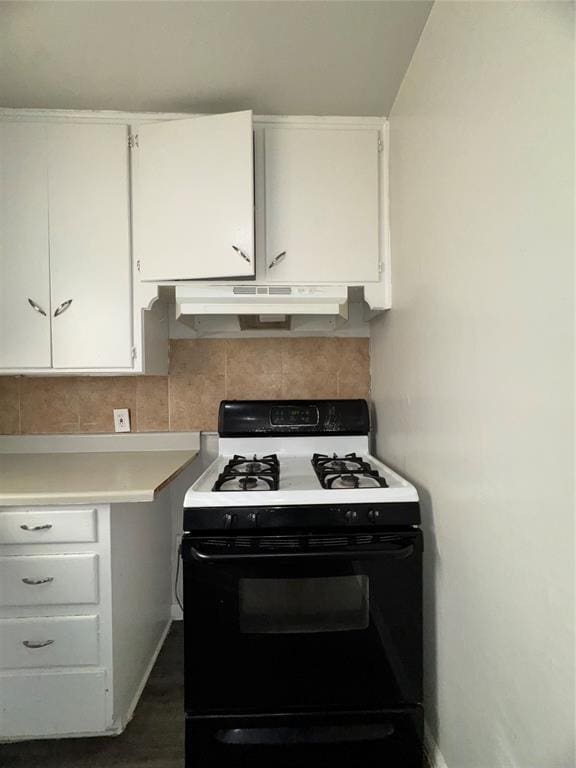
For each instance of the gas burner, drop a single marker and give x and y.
(347, 481)
(243, 465)
(348, 463)
(234, 482)
(252, 467)
(367, 479)
(346, 472)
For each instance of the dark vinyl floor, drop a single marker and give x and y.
(154, 738)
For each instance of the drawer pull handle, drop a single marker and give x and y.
(37, 643)
(46, 580)
(44, 527)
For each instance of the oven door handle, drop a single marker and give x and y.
(306, 735)
(394, 554)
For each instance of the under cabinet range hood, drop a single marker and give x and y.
(265, 299)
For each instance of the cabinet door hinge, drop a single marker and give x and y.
(380, 267)
(380, 145)
(133, 353)
(138, 265)
(133, 141)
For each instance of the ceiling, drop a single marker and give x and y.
(283, 57)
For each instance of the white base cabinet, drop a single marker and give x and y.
(48, 703)
(85, 605)
(47, 642)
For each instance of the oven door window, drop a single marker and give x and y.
(304, 605)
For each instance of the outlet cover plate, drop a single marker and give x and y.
(121, 420)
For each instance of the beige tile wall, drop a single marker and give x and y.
(202, 372)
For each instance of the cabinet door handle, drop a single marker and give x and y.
(44, 527)
(63, 307)
(36, 307)
(37, 643)
(276, 259)
(46, 580)
(241, 252)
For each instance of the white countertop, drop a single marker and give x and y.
(92, 470)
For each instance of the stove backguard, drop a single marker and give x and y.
(252, 418)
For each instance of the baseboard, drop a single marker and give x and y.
(119, 726)
(431, 750)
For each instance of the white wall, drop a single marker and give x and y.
(473, 372)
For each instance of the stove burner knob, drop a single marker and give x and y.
(374, 515)
(228, 520)
(253, 518)
(351, 516)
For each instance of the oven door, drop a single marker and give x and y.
(283, 623)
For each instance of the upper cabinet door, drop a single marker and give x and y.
(322, 205)
(194, 198)
(24, 262)
(90, 246)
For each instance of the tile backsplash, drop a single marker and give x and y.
(202, 373)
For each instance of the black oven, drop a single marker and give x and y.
(304, 648)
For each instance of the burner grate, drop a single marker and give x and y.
(346, 472)
(258, 473)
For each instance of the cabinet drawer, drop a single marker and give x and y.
(50, 703)
(48, 526)
(59, 641)
(48, 579)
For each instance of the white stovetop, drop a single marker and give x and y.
(298, 481)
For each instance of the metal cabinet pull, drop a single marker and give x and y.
(36, 307)
(241, 252)
(276, 259)
(44, 527)
(63, 307)
(37, 643)
(47, 580)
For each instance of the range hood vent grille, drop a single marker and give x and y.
(252, 290)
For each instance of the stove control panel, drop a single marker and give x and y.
(320, 516)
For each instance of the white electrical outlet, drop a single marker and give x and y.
(121, 420)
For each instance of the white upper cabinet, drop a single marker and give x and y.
(24, 279)
(194, 198)
(90, 272)
(322, 201)
(65, 269)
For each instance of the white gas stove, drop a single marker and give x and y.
(302, 577)
(298, 455)
(239, 475)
